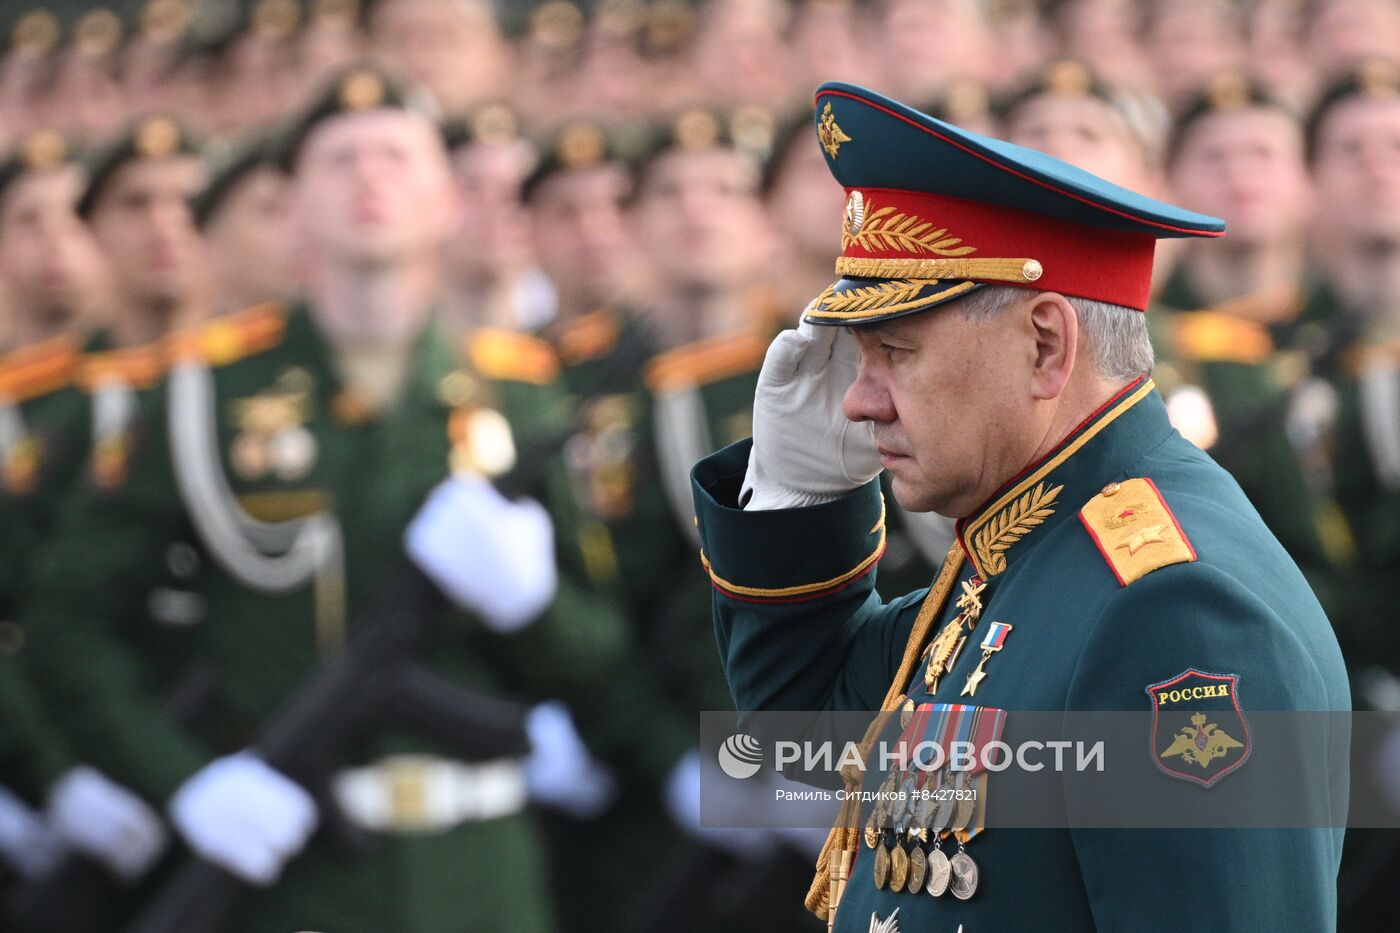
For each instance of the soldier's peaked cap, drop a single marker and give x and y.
(933, 212)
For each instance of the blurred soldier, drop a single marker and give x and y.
(454, 48)
(1105, 35)
(1342, 33)
(50, 269)
(86, 95)
(1234, 345)
(1189, 42)
(1354, 146)
(1107, 131)
(33, 37)
(243, 72)
(304, 445)
(1276, 57)
(576, 200)
(821, 44)
(490, 279)
(611, 77)
(1353, 136)
(957, 28)
(1067, 112)
(666, 42)
(739, 56)
(800, 193)
(137, 204)
(330, 41)
(548, 60)
(711, 246)
(146, 59)
(242, 214)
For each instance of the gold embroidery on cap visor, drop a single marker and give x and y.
(897, 296)
(1019, 271)
(886, 229)
(831, 135)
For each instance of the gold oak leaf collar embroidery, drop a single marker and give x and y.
(992, 534)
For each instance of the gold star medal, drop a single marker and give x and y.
(992, 642)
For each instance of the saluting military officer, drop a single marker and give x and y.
(986, 344)
(310, 449)
(50, 271)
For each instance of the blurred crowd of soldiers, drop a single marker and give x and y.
(283, 286)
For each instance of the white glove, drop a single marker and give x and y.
(489, 555)
(27, 843)
(805, 450)
(106, 821)
(242, 815)
(750, 843)
(560, 772)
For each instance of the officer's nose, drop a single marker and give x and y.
(868, 399)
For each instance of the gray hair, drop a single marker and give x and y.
(1117, 338)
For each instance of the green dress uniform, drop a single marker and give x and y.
(43, 438)
(1122, 571)
(290, 440)
(1086, 642)
(1363, 448)
(702, 394)
(1262, 361)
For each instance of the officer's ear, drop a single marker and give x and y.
(1055, 327)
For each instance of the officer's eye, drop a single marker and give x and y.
(891, 351)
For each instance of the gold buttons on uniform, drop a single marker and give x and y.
(1110, 489)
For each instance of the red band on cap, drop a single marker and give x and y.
(1113, 266)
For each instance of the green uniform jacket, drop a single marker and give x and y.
(1361, 443)
(1252, 357)
(800, 627)
(292, 441)
(49, 417)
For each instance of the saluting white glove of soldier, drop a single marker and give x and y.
(246, 817)
(490, 555)
(106, 821)
(805, 450)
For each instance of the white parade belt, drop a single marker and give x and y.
(422, 793)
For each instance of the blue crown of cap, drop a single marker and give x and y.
(889, 145)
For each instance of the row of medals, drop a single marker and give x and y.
(908, 817)
(916, 819)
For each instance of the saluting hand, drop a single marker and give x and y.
(805, 450)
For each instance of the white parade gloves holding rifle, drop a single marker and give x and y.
(805, 450)
(490, 555)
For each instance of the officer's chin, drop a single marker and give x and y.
(912, 495)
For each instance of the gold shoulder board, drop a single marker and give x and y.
(1135, 530)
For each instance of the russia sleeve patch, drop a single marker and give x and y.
(1134, 529)
(1199, 732)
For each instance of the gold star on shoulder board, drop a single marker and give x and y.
(1141, 539)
